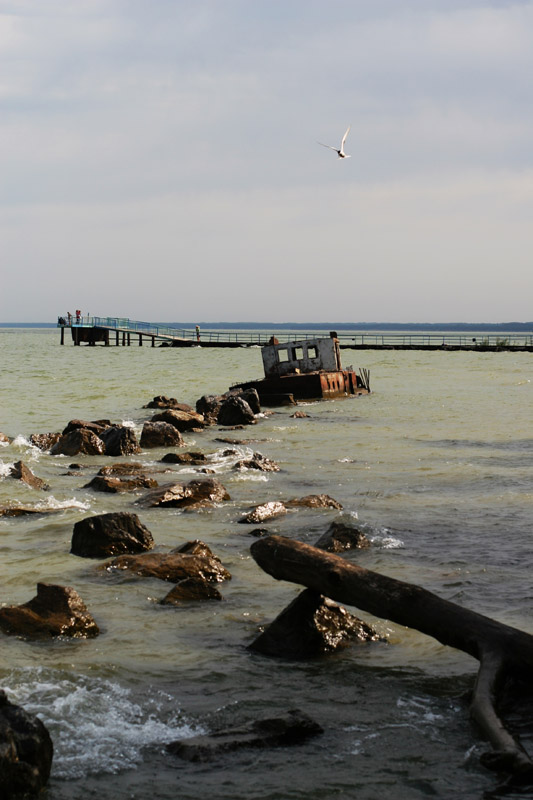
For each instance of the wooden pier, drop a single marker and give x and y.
(124, 332)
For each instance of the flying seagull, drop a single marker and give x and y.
(341, 152)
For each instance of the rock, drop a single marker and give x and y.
(173, 567)
(191, 589)
(44, 441)
(340, 537)
(160, 434)
(293, 728)
(235, 411)
(115, 485)
(54, 611)
(161, 401)
(96, 427)
(76, 441)
(208, 406)
(21, 472)
(185, 458)
(257, 461)
(257, 532)
(309, 627)
(314, 501)
(196, 548)
(4, 439)
(181, 420)
(195, 494)
(282, 399)
(299, 415)
(120, 469)
(21, 511)
(120, 440)
(26, 752)
(106, 535)
(264, 512)
(252, 398)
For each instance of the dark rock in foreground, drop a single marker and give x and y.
(309, 627)
(234, 410)
(105, 535)
(119, 440)
(173, 567)
(340, 537)
(293, 728)
(314, 501)
(26, 752)
(195, 494)
(208, 406)
(191, 589)
(192, 458)
(54, 611)
(79, 440)
(160, 434)
(21, 472)
(264, 512)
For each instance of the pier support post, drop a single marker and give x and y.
(123, 338)
(116, 339)
(129, 338)
(140, 340)
(153, 341)
(62, 336)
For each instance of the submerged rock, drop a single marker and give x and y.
(340, 537)
(54, 611)
(161, 401)
(26, 752)
(115, 485)
(195, 494)
(160, 434)
(196, 548)
(120, 469)
(314, 501)
(173, 567)
(309, 627)
(191, 589)
(105, 535)
(21, 472)
(291, 729)
(264, 512)
(193, 458)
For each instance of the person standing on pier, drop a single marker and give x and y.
(197, 333)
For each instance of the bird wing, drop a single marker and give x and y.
(345, 135)
(328, 145)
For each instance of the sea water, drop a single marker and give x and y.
(435, 465)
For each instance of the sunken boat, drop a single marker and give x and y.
(306, 370)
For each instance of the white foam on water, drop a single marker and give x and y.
(129, 423)
(51, 502)
(250, 475)
(5, 468)
(95, 725)
(385, 540)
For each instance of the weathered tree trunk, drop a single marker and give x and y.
(500, 649)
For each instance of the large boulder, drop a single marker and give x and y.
(44, 441)
(252, 398)
(293, 728)
(340, 537)
(264, 512)
(54, 611)
(309, 627)
(78, 441)
(26, 752)
(208, 406)
(173, 567)
(234, 410)
(120, 440)
(182, 420)
(21, 472)
(160, 434)
(105, 535)
(195, 494)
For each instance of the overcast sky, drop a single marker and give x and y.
(159, 160)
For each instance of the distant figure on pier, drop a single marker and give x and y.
(197, 333)
(69, 317)
(78, 315)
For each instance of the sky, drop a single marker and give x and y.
(160, 160)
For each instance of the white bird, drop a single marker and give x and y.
(340, 151)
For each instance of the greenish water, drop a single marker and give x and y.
(437, 464)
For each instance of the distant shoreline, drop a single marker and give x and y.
(507, 327)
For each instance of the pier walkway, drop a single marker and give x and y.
(123, 331)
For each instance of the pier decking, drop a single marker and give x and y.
(120, 331)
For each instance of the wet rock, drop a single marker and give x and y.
(259, 462)
(120, 440)
(173, 567)
(160, 434)
(208, 406)
(21, 472)
(264, 512)
(26, 752)
(252, 398)
(121, 469)
(4, 439)
(193, 458)
(314, 501)
(44, 441)
(195, 494)
(78, 441)
(116, 485)
(257, 532)
(235, 411)
(299, 415)
(196, 548)
(54, 611)
(181, 420)
(340, 537)
(191, 589)
(106, 535)
(291, 729)
(22, 511)
(161, 401)
(309, 627)
(96, 427)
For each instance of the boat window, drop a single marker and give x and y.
(312, 351)
(298, 353)
(283, 355)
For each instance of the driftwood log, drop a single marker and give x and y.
(502, 651)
